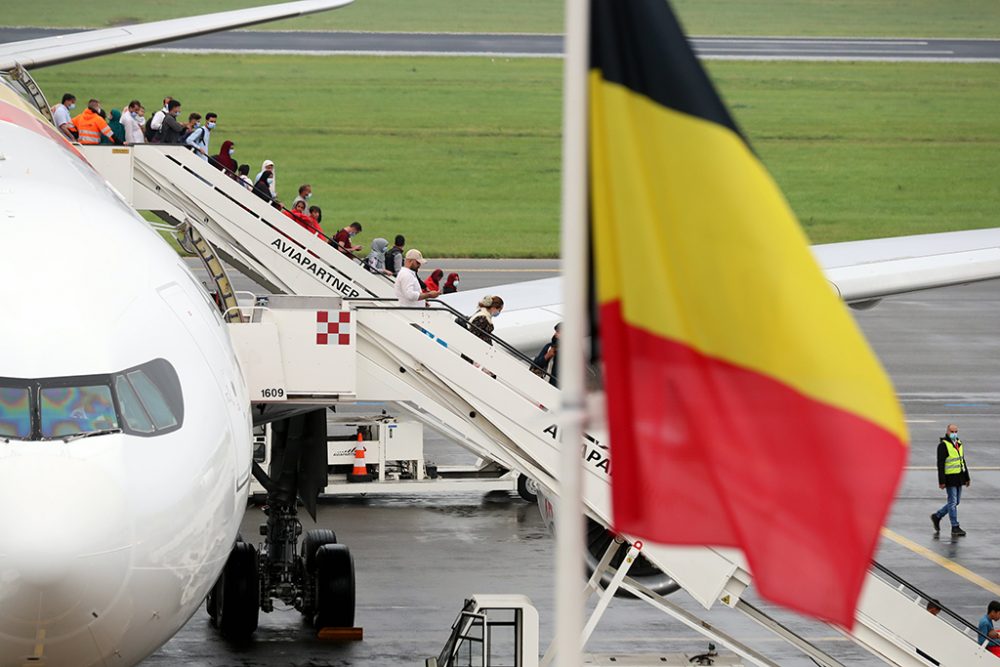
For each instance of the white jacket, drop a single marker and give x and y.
(133, 127)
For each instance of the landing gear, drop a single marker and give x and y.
(319, 579)
(334, 586)
(527, 489)
(234, 601)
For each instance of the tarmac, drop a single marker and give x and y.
(551, 46)
(418, 558)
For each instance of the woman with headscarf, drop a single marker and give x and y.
(449, 286)
(481, 322)
(116, 126)
(433, 283)
(268, 167)
(224, 160)
(375, 262)
(262, 186)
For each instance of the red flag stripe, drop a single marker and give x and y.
(684, 425)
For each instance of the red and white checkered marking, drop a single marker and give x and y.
(333, 332)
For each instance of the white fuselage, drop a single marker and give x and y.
(108, 543)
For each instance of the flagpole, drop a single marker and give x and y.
(569, 523)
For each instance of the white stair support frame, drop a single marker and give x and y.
(508, 420)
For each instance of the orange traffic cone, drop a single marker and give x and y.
(360, 471)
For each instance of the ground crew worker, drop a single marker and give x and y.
(953, 474)
(90, 126)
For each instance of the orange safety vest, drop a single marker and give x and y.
(90, 126)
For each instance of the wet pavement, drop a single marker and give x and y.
(417, 558)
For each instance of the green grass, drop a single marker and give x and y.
(907, 18)
(462, 155)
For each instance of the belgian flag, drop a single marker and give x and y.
(745, 407)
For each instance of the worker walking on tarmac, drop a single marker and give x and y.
(90, 126)
(953, 474)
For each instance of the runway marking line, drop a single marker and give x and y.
(946, 563)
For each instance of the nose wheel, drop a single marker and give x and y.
(234, 601)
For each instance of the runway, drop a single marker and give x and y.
(550, 46)
(417, 558)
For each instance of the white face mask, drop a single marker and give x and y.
(308, 195)
(71, 106)
(211, 126)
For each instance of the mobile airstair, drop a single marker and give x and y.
(482, 395)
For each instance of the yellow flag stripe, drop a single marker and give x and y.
(694, 238)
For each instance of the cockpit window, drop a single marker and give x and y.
(135, 415)
(68, 411)
(144, 400)
(152, 399)
(15, 412)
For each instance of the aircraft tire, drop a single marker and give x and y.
(313, 540)
(334, 587)
(237, 594)
(527, 489)
(211, 605)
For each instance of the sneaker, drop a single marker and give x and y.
(936, 520)
(956, 531)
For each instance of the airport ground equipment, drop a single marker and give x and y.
(481, 394)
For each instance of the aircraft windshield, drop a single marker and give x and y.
(144, 400)
(72, 410)
(15, 412)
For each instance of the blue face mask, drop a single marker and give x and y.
(953, 436)
(197, 124)
(210, 126)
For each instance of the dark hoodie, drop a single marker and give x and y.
(223, 160)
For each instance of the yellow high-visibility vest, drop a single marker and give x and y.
(955, 463)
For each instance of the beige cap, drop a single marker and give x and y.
(413, 253)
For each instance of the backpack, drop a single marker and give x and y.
(390, 259)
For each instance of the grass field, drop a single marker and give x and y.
(462, 155)
(906, 18)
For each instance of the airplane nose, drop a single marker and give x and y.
(64, 547)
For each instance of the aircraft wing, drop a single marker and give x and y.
(34, 53)
(862, 272)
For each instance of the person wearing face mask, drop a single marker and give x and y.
(262, 186)
(156, 123)
(201, 135)
(117, 128)
(224, 161)
(90, 126)
(342, 239)
(953, 474)
(172, 130)
(481, 322)
(305, 192)
(133, 120)
(267, 165)
(61, 117)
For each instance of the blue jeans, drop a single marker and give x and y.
(951, 507)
